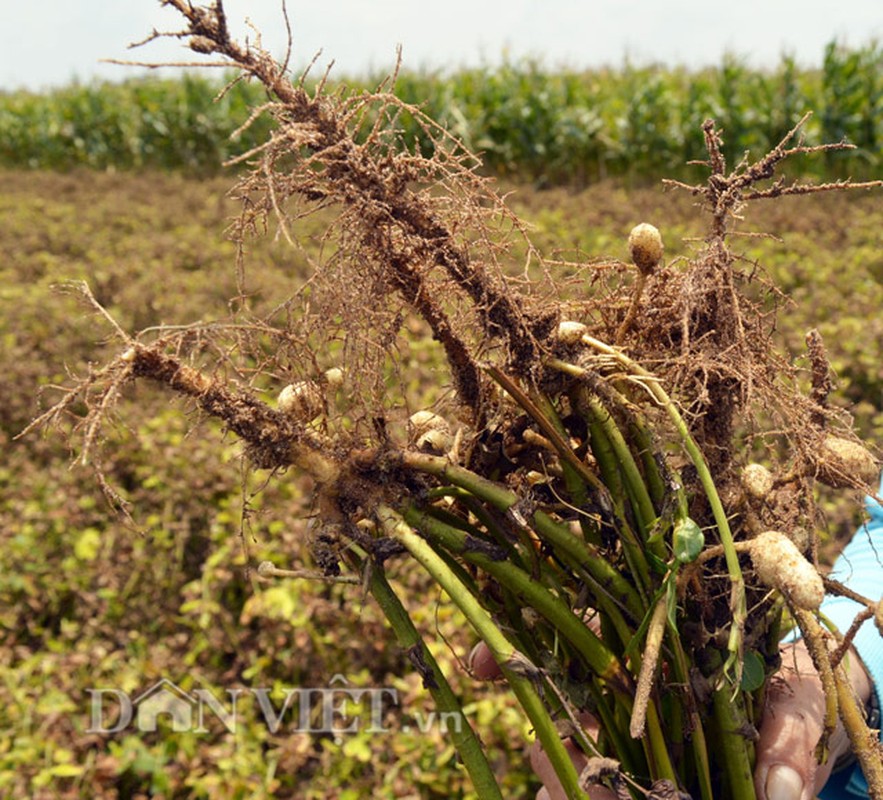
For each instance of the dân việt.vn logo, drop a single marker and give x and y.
(336, 709)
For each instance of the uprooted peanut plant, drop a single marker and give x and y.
(593, 454)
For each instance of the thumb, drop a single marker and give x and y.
(552, 789)
(793, 721)
(482, 664)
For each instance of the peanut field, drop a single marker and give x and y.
(88, 601)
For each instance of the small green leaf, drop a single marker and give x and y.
(66, 770)
(687, 540)
(87, 545)
(752, 672)
(55, 701)
(356, 747)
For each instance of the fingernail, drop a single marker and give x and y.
(783, 783)
(470, 660)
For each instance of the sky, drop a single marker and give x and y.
(46, 43)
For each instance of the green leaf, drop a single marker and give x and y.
(753, 671)
(66, 770)
(687, 540)
(55, 701)
(358, 748)
(87, 545)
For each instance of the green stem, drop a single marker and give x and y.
(506, 656)
(534, 595)
(494, 493)
(656, 745)
(466, 742)
(642, 505)
(574, 481)
(613, 587)
(681, 672)
(495, 525)
(735, 750)
(594, 652)
(641, 436)
(628, 752)
(650, 382)
(608, 462)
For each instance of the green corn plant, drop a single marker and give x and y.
(552, 127)
(587, 469)
(852, 95)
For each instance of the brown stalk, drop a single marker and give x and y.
(820, 374)
(840, 698)
(273, 440)
(395, 223)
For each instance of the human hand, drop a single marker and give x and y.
(786, 767)
(483, 667)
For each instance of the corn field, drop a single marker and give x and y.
(527, 122)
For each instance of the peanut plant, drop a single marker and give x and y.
(586, 491)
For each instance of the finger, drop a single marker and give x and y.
(482, 663)
(595, 792)
(543, 769)
(483, 666)
(786, 767)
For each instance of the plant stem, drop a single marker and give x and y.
(735, 752)
(638, 290)
(634, 481)
(698, 744)
(814, 637)
(585, 556)
(575, 482)
(610, 463)
(738, 606)
(597, 656)
(839, 694)
(504, 654)
(641, 436)
(494, 493)
(465, 741)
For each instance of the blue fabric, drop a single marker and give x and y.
(860, 566)
(848, 784)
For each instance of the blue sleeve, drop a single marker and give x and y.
(860, 566)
